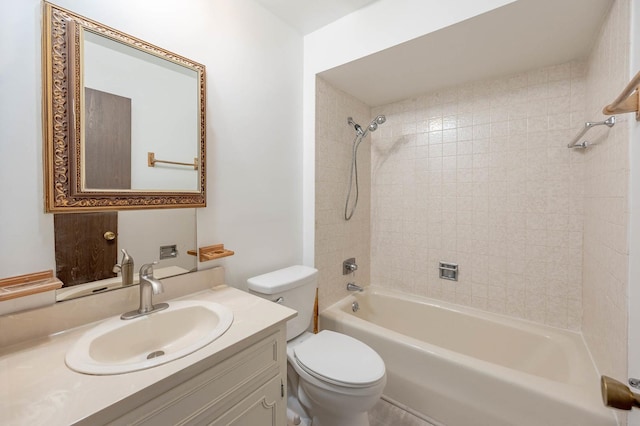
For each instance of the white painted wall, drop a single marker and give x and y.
(634, 219)
(254, 150)
(27, 233)
(378, 26)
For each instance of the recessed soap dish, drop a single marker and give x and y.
(448, 271)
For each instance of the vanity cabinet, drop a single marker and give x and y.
(247, 388)
(238, 379)
(265, 406)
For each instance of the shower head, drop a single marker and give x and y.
(372, 127)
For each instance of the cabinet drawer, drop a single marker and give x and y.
(216, 390)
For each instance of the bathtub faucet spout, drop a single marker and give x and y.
(354, 287)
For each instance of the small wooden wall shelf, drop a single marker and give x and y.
(215, 251)
(25, 285)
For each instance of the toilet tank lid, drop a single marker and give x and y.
(283, 279)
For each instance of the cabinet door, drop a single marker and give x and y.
(255, 372)
(264, 407)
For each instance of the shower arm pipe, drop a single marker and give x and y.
(576, 142)
(627, 101)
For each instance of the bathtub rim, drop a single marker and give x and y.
(451, 306)
(582, 395)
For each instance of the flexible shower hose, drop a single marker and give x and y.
(354, 172)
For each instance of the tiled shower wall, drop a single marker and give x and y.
(479, 175)
(337, 239)
(606, 254)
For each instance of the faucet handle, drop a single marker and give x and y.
(147, 269)
(349, 266)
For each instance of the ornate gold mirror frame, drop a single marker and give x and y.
(62, 100)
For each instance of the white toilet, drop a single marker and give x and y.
(334, 377)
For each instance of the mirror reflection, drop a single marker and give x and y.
(125, 152)
(89, 248)
(136, 103)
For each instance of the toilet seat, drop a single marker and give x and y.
(340, 360)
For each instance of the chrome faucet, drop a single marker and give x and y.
(126, 268)
(149, 285)
(354, 287)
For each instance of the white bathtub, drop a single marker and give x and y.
(460, 366)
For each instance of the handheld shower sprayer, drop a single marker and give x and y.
(372, 127)
(360, 134)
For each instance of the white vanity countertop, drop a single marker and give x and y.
(37, 388)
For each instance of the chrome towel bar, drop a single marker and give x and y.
(577, 142)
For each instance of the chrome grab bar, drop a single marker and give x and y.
(575, 143)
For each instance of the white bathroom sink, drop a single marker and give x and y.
(118, 346)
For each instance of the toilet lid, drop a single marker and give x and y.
(339, 359)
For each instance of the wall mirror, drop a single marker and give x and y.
(124, 120)
(89, 245)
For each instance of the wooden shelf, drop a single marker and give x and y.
(213, 252)
(28, 284)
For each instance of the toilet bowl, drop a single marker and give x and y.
(333, 377)
(338, 377)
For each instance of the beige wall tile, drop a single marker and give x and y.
(604, 289)
(337, 239)
(495, 198)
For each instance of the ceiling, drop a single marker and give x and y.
(306, 16)
(520, 36)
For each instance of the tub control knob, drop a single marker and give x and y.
(349, 266)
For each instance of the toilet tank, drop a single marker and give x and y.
(296, 285)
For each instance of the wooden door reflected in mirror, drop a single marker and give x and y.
(107, 141)
(84, 249)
